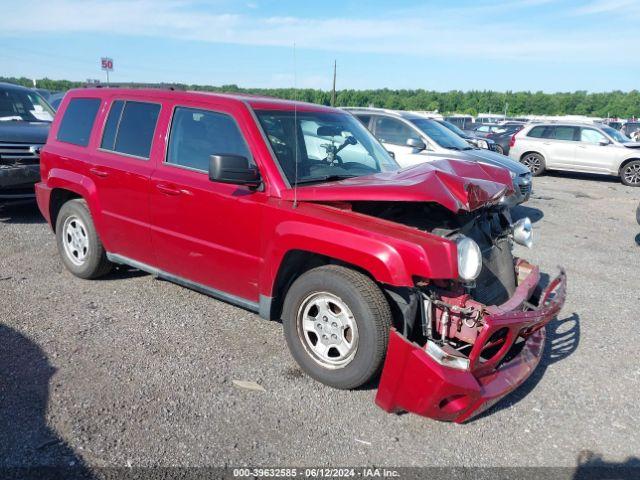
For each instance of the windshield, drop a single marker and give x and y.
(616, 135)
(330, 146)
(19, 105)
(452, 127)
(441, 135)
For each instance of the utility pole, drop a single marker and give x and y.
(333, 92)
(506, 107)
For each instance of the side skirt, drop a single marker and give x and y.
(212, 292)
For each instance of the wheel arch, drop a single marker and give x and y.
(402, 300)
(626, 161)
(527, 152)
(58, 197)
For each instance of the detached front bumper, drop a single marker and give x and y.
(413, 381)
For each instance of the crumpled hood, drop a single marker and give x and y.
(493, 158)
(24, 132)
(455, 184)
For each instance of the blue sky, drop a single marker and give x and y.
(441, 45)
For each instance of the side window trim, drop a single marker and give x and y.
(115, 138)
(165, 160)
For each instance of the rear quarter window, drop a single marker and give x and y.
(77, 121)
(536, 132)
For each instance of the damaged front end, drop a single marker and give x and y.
(471, 343)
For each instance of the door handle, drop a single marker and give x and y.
(166, 189)
(98, 173)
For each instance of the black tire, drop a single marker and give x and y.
(534, 162)
(499, 149)
(371, 314)
(630, 173)
(94, 264)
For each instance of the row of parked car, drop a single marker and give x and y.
(577, 147)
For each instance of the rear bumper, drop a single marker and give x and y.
(43, 196)
(16, 181)
(413, 381)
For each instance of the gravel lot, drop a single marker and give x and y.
(133, 371)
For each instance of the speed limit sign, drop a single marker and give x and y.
(106, 64)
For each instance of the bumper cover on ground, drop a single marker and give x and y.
(413, 381)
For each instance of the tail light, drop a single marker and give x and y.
(512, 142)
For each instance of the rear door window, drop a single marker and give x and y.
(393, 131)
(564, 133)
(198, 134)
(77, 121)
(130, 127)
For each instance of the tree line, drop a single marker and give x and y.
(600, 104)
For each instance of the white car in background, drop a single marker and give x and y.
(414, 139)
(577, 148)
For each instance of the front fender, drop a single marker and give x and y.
(392, 254)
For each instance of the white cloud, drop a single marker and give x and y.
(430, 33)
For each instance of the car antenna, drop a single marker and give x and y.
(295, 128)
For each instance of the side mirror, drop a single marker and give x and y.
(391, 154)
(604, 143)
(233, 169)
(416, 144)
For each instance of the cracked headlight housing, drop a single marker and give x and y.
(469, 258)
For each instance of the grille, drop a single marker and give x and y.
(524, 189)
(497, 279)
(19, 153)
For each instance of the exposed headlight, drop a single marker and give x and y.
(522, 232)
(447, 356)
(469, 258)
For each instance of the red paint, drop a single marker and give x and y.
(413, 381)
(233, 239)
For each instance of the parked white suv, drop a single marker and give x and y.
(578, 148)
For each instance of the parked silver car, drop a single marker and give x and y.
(578, 148)
(414, 139)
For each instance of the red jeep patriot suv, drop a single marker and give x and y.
(296, 212)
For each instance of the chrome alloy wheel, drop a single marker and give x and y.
(327, 330)
(75, 240)
(533, 163)
(631, 174)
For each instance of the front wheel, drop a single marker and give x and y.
(630, 174)
(336, 323)
(534, 162)
(499, 149)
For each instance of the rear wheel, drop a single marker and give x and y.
(534, 162)
(78, 242)
(630, 174)
(336, 323)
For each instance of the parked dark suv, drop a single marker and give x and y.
(296, 212)
(25, 118)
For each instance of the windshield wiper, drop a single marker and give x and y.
(324, 178)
